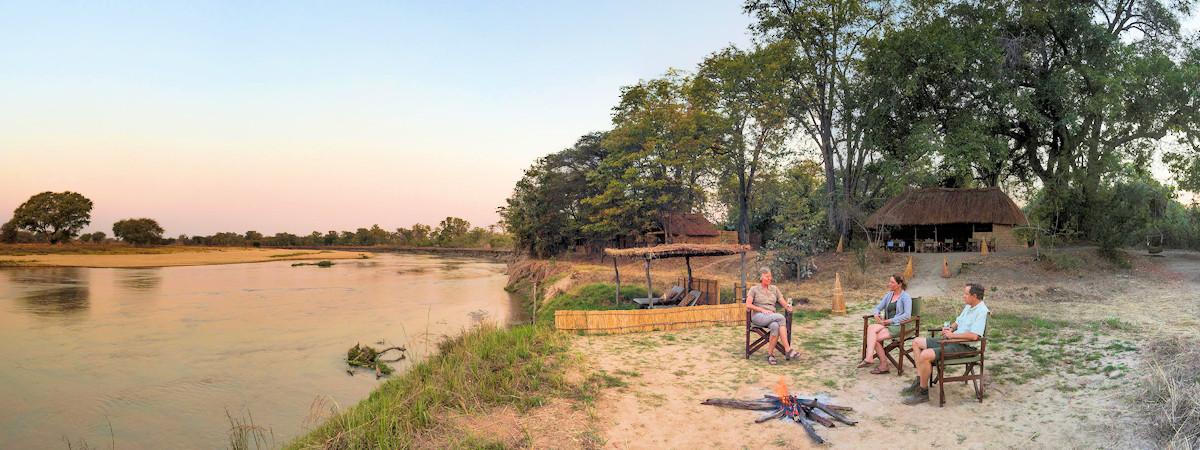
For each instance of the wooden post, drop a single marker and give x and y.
(649, 288)
(617, 296)
(688, 260)
(743, 277)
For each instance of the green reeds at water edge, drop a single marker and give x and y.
(486, 367)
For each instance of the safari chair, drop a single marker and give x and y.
(968, 359)
(909, 329)
(764, 335)
(672, 296)
(689, 300)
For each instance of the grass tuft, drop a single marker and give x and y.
(486, 367)
(1170, 395)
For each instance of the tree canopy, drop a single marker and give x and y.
(53, 216)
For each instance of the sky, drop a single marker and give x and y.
(299, 116)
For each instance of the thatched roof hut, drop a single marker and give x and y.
(938, 206)
(952, 217)
(678, 250)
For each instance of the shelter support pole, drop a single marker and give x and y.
(743, 278)
(688, 260)
(649, 289)
(617, 296)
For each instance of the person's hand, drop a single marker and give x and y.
(788, 307)
(945, 332)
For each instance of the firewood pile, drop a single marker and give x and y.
(804, 411)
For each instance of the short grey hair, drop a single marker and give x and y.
(764, 270)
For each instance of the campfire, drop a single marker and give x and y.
(785, 406)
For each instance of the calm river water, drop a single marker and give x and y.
(162, 354)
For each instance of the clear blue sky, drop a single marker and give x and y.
(301, 116)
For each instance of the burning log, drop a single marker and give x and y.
(804, 411)
(757, 405)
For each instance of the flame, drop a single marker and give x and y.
(782, 391)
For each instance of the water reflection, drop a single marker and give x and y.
(58, 291)
(141, 280)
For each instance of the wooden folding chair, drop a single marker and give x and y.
(969, 359)
(909, 329)
(764, 335)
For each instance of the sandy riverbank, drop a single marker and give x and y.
(167, 256)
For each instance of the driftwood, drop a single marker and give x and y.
(834, 414)
(808, 428)
(756, 405)
(804, 400)
(816, 417)
(804, 411)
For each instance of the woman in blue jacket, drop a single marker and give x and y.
(895, 307)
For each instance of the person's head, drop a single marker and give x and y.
(973, 293)
(897, 282)
(764, 275)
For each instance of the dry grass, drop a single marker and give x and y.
(1170, 396)
(79, 248)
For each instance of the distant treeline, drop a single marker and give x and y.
(453, 232)
(58, 217)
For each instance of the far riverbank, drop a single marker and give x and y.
(168, 256)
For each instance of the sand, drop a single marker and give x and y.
(186, 256)
(1062, 404)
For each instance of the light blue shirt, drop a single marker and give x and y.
(973, 319)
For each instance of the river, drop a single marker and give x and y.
(156, 358)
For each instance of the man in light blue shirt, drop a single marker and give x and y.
(969, 326)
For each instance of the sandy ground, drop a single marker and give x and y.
(1076, 396)
(189, 257)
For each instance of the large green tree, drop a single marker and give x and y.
(546, 212)
(742, 97)
(138, 231)
(1058, 93)
(54, 216)
(828, 37)
(658, 158)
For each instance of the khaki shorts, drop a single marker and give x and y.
(932, 344)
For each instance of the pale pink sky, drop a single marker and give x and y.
(299, 117)
(313, 116)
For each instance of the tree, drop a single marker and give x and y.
(54, 216)
(451, 230)
(1067, 92)
(546, 211)
(828, 37)
(656, 163)
(799, 216)
(138, 231)
(743, 97)
(98, 237)
(8, 233)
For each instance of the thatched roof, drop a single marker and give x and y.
(690, 224)
(936, 206)
(679, 250)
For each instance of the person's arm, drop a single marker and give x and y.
(787, 304)
(750, 303)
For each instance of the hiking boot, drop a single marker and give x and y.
(912, 387)
(918, 397)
